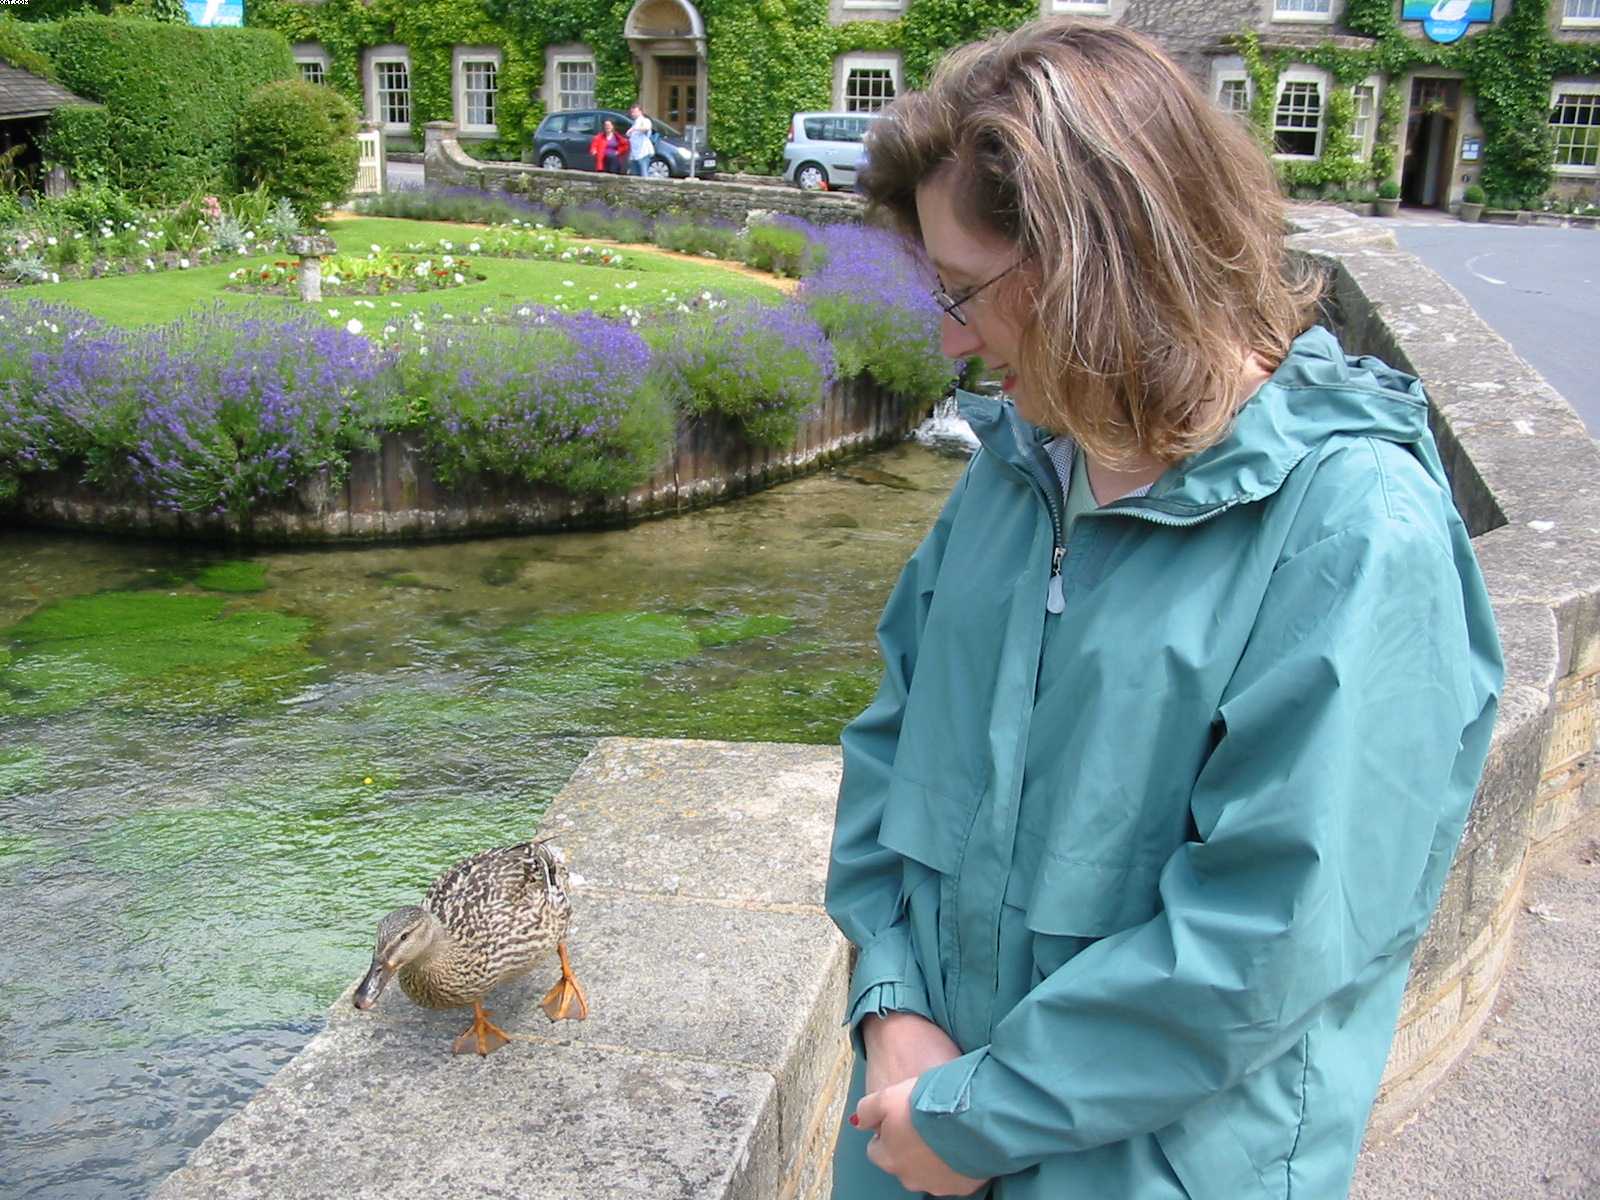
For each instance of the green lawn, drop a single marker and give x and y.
(161, 296)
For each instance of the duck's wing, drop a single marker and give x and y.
(480, 896)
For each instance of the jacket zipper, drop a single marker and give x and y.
(1043, 474)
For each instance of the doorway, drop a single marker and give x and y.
(677, 93)
(1431, 128)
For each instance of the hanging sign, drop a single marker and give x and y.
(215, 12)
(1446, 20)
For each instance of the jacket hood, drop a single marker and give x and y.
(1317, 393)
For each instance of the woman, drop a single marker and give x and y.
(1186, 693)
(609, 149)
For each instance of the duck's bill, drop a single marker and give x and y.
(371, 987)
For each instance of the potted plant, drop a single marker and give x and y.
(1472, 202)
(1388, 201)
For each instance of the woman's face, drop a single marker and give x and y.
(609, 127)
(966, 257)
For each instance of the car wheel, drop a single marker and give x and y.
(552, 162)
(659, 168)
(811, 176)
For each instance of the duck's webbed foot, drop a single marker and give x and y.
(483, 1035)
(565, 1001)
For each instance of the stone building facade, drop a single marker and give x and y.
(1437, 139)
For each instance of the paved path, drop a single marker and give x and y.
(1519, 1118)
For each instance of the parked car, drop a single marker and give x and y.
(562, 140)
(825, 149)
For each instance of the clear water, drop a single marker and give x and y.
(217, 770)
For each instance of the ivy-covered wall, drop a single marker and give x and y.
(767, 59)
(1508, 68)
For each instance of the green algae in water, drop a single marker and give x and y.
(739, 629)
(788, 706)
(23, 769)
(238, 578)
(156, 650)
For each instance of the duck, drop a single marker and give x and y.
(489, 919)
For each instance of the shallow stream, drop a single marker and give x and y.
(217, 771)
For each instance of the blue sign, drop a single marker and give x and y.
(215, 12)
(1446, 20)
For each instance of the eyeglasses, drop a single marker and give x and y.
(952, 304)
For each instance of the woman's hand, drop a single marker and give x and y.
(901, 1046)
(897, 1147)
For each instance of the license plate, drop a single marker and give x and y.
(709, 160)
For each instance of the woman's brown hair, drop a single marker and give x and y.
(1150, 220)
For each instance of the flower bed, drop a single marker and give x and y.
(224, 412)
(378, 273)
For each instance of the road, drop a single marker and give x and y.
(1538, 288)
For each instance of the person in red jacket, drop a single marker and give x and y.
(610, 149)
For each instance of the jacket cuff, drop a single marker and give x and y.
(940, 1113)
(887, 979)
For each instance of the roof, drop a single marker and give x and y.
(24, 94)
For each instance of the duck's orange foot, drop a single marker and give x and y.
(483, 1035)
(565, 1001)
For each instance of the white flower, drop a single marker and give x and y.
(459, 278)
(333, 312)
(416, 326)
(447, 316)
(49, 241)
(150, 263)
(376, 248)
(566, 283)
(54, 278)
(352, 326)
(705, 295)
(447, 245)
(422, 350)
(447, 261)
(388, 330)
(394, 304)
(593, 296)
(632, 283)
(249, 235)
(524, 311)
(183, 264)
(473, 246)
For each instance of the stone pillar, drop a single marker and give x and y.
(311, 279)
(439, 140)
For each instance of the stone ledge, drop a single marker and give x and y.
(700, 1073)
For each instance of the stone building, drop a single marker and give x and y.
(1433, 134)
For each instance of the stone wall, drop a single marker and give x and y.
(445, 164)
(391, 493)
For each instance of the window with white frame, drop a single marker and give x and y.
(392, 87)
(480, 78)
(574, 83)
(1233, 95)
(1302, 10)
(1581, 12)
(869, 83)
(312, 70)
(1575, 121)
(1365, 96)
(1297, 119)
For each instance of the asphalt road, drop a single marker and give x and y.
(1538, 288)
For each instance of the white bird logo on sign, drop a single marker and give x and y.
(1450, 10)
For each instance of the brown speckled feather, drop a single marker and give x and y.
(505, 910)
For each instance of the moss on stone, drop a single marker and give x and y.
(22, 769)
(739, 629)
(157, 650)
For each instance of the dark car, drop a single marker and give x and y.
(562, 140)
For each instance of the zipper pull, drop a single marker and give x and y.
(1056, 599)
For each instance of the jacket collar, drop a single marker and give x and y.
(1316, 393)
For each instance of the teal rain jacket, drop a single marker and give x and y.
(1157, 862)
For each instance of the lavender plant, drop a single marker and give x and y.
(762, 365)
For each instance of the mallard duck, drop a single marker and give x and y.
(488, 919)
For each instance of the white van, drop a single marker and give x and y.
(825, 148)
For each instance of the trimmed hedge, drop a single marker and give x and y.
(298, 140)
(172, 94)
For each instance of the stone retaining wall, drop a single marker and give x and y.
(446, 164)
(391, 493)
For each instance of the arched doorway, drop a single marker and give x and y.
(668, 39)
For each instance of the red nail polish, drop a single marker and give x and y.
(854, 1120)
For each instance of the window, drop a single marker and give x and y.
(1366, 121)
(575, 83)
(867, 89)
(311, 70)
(866, 82)
(1581, 12)
(1575, 119)
(1233, 96)
(1297, 121)
(479, 82)
(394, 92)
(1302, 10)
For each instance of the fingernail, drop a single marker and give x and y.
(854, 1120)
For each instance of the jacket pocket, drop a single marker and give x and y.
(1070, 897)
(925, 825)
